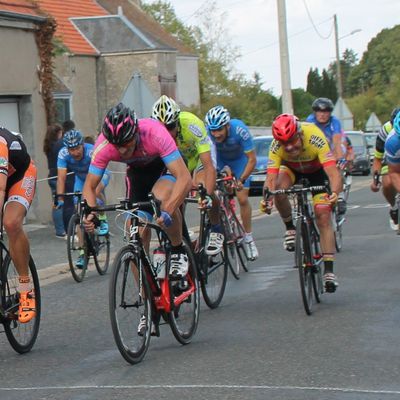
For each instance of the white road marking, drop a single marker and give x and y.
(233, 387)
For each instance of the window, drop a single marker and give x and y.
(63, 108)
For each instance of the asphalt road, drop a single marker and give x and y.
(259, 344)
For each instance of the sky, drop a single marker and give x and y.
(252, 26)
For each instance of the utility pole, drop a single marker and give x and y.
(287, 104)
(338, 67)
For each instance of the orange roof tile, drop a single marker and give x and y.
(19, 7)
(61, 11)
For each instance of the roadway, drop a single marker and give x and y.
(258, 344)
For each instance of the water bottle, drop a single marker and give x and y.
(159, 262)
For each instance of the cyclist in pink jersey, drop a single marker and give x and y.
(154, 165)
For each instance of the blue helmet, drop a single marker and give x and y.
(217, 117)
(72, 139)
(396, 124)
(393, 114)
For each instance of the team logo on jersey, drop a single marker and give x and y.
(15, 145)
(275, 146)
(317, 141)
(244, 133)
(195, 130)
(3, 162)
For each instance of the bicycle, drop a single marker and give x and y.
(212, 270)
(21, 336)
(136, 290)
(308, 257)
(233, 228)
(80, 243)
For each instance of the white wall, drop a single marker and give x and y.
(188, 89)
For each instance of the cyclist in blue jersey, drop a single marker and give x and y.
(380, 167)
(392, 154)
(76, 156)
(235, 151)
(328, 123)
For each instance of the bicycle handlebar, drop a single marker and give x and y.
(295, 189)
(125, 205)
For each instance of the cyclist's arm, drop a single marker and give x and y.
(337, 146)
(335, 178)
(89, 188)
(61, 178)
(209, 171)
(394, 172)
(251, 163)
(3, 184)
(181, 187)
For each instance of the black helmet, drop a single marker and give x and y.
(322, 104)
(393, 114)
(120, 125)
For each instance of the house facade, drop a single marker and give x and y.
(107, 51)
(22, 108)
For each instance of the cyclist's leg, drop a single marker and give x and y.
(179, 260)
(19, 199)
(323, 218)
(245, 207)
(286, 178)
(216, 238)
(101, 199)
(389, 192)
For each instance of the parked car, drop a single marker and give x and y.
(371, 139)
(361, 162)
(257, 178)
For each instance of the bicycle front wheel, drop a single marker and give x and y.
(239, 234)
(318, 285)
(303, 260)
(185, 303)
(78, 257)
(130, 305)
(214, 272)
(101, 252)
(337, 222)
(22, 336)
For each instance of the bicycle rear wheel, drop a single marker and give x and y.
(232, 257)
(129, 301)
(303, 260)
(74, 250)
(101, 252)
(185, 303)
(22, 336)
(213, 275)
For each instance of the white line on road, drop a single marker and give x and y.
(235, 387)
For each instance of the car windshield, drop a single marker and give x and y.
(356, 140)
(262, 147)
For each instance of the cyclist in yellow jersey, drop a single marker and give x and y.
(197, 150)
(300, 150)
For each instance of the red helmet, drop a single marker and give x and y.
(284, 127)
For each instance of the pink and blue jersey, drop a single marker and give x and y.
(154, 141)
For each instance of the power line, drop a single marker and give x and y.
(312, 22)
(277, 42)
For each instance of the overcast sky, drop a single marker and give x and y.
(253, 27)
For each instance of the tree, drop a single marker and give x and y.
(220, 83)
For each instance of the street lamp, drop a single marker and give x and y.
(338, 68)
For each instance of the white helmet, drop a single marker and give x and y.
(166, 110)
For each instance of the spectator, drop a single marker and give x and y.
(51, 146)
